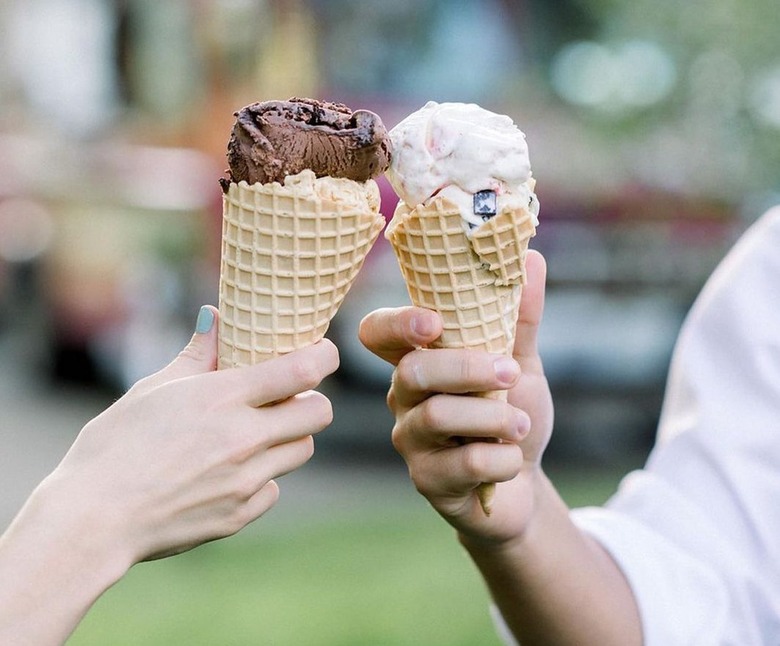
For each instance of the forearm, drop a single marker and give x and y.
(56, 559)
(556, 585)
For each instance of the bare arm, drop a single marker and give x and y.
(556, 585)
(188, 455)
(56, 559)
(552, 583)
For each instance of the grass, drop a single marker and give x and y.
(387, 575)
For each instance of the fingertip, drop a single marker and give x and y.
(205, 320)
(324, 412)
(271, 490)
(536, 267)
(507, 370)
(207, 317)
(532, 303)
(536, 255)
(332, 354)
(264, 499)
(394, 327)
(366, 326)
(200, 354)
(390, 333)
(522, 424)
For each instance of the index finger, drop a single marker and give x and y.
(391, 333)
(455, 371)
(282, 377)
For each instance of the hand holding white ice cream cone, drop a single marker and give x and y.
(444, 273)
(462, 228)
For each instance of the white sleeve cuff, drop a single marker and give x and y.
(681, 600)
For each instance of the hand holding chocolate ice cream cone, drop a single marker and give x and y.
(300, 214)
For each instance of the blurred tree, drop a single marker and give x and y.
(543, 26)
(719, 125)
(418, 50)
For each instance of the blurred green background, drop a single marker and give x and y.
(384, 572)
(654, 131)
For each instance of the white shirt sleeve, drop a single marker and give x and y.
(697, 532)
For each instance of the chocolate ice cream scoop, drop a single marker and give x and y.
(274, 139)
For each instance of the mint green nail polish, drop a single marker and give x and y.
(205, 320)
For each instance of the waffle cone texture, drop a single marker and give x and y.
(474, 283)
(290, 253)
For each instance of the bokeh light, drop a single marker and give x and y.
(613, 78)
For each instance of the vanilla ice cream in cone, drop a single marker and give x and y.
(461, 230)
(300, 214)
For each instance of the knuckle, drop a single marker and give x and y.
(194, 351)
(238, 519)
(398, 438)
(391, 400)
(432, 413)
(408, 373)
(465, 369)
(423, 488)
(245, 486)
(305, 373)
(403, 440)
(420, 482)
(239, 446)
(472, 460)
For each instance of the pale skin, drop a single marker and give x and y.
(187, 456)
(553, 584)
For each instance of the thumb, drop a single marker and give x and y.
(531, 308)
(200, 354)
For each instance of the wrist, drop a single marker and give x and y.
(512, 536)
(68, 521)
(56, 559)
(554, 584)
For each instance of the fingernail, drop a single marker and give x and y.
(523, 423)
(422, 326)
(507, 370)
(205, 320)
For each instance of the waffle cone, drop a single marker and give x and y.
(290, 254)
(475, 284)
